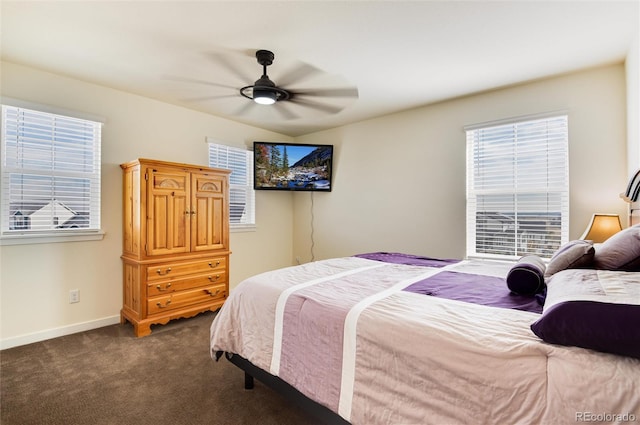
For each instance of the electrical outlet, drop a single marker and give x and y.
(74, 296)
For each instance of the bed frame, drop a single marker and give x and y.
(251, 371)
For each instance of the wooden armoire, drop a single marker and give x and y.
(176, 241)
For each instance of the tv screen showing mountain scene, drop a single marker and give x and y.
(289, 166)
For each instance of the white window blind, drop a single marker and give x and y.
(241, 193)
(518, 188)
(50, 173)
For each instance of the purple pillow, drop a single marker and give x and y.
(576, 254)
(608, 327)
(620, 252)
(526, 277)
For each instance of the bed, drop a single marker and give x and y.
(391, 338)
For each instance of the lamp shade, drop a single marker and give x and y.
(602, 227)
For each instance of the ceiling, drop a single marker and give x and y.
(398, 54)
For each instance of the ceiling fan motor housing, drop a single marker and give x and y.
(264, 81)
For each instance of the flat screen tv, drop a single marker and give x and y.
(292, 166)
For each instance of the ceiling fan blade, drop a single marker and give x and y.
(206, 98)
(283, 110)
(296, 74)
(317, 105)
(248, 106)
(328, 92)
(231, 67)
(197, 81)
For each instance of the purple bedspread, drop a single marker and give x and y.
(408, 259)
(472, 288)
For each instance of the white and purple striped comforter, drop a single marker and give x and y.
(346, 334)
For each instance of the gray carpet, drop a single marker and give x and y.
(108, 376)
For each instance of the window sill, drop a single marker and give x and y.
(243, 228)
(28, 239)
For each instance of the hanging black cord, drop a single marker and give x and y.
(312, 241)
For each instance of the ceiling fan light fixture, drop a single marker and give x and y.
(264, 96)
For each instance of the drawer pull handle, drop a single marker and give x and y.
(163, 306)
(214, 266)
(211, 293)
(159, 271)
(213, 279)
(160, 288)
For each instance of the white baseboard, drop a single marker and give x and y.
(56, 332)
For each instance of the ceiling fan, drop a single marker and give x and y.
(264, 91)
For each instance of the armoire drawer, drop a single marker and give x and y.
(172, 269)
(182, 299)
(168, 286)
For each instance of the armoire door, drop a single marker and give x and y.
(208, 202)
(168, 211)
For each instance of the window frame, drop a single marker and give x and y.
(555, 200)
(236, 183)
(23, 236)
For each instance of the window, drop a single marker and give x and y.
(241, 193)
(50, 174)
(517, 188)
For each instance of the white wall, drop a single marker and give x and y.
(632, 66)
(35, 279)
(399, 182)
